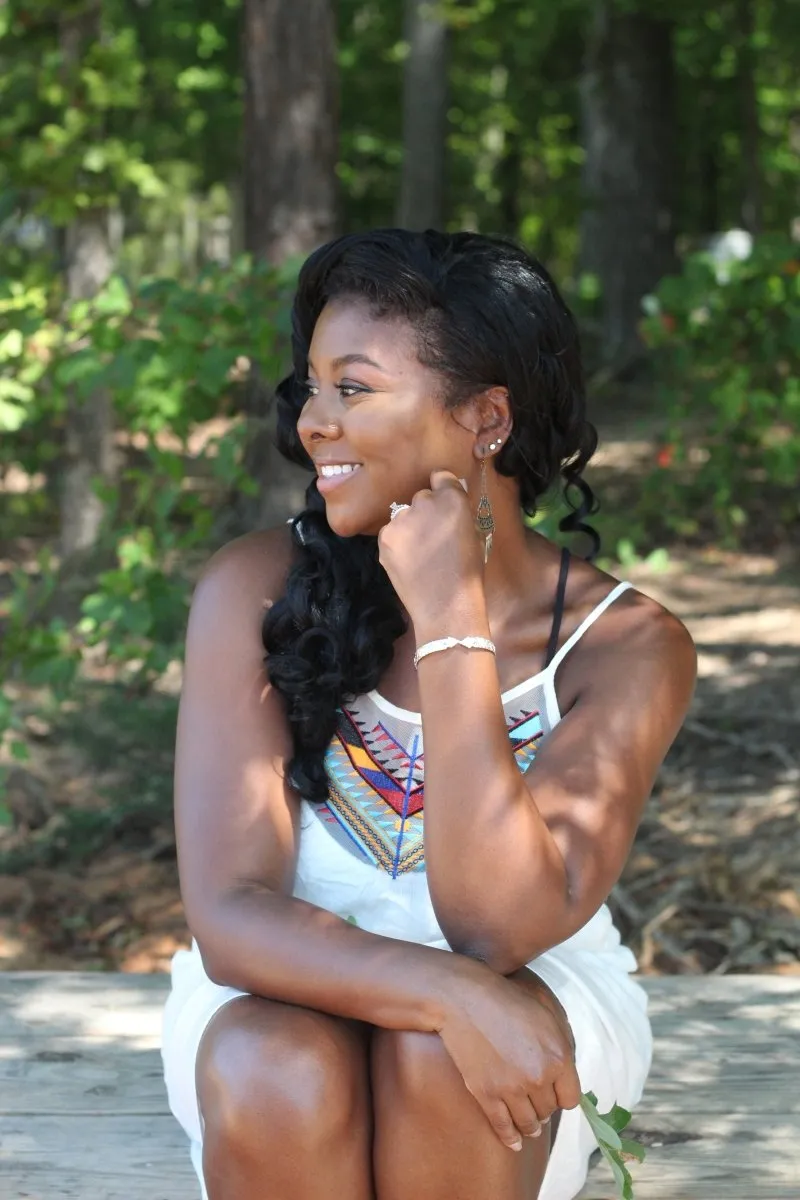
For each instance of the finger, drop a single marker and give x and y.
(524, 1116)
(544, 1101)
(503, 1125)
(442, 479)
(568, 1088)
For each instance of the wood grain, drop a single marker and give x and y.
(83, 1112)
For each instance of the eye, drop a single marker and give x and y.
(349, 389)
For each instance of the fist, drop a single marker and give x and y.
(433, 554)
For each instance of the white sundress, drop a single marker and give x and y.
(352, 861)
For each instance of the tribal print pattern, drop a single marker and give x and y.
(376, 782)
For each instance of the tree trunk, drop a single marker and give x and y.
(751, 133)
(289, 202)
(89, 452)
(425, 92)
(627, 227)
(89, 426)
(709, 170)
(291, 127)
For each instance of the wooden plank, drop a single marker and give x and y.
(69, 1078)
(95, 1158)
(63, 1076)
(82, 1005)
(759, 1168)
(48, 1158)
(105, 1005)
(86, 1115)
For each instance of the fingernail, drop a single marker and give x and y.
(516, 1145)
(463, 483)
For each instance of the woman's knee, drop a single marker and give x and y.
(268, 1071)
(413, 1067)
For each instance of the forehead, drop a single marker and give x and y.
(348, 327)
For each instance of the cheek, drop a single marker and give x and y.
(379, 428)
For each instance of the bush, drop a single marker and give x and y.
(172, 355)
(726, 343)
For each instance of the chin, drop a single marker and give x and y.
(346, 523)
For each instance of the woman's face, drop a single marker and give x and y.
(372, 403)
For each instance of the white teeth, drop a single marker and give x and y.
(339, 469)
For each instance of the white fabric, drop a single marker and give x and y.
(590, 972)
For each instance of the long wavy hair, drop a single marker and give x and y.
(485, 314)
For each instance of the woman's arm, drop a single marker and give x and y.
(518, 863)
(237, 821)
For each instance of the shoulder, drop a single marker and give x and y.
(258, 561)
(242, 578)
(636, 635)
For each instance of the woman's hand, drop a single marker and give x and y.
(513, 1046)
(433, 555)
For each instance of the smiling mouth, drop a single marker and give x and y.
(337, 469)
(326, 483)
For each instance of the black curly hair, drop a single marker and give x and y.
(485, 314)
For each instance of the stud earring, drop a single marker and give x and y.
(484, 520)
(494, 445)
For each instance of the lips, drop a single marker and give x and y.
(347, 467)
(326, 483)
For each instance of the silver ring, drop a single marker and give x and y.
(395, 509)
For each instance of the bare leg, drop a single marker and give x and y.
(284, 1097)
(432, 1139)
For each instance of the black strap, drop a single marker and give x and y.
(558, 610)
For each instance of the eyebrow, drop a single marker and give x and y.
(346, 359)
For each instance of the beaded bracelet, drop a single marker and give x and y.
(472, 643)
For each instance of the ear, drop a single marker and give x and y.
(494, 420)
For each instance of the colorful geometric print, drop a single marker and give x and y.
(383, 817)
(376, 786)
(525, 731)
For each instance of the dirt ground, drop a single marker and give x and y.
(712, 884)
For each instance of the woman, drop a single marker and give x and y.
(367, 1013)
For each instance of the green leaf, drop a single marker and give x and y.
(12, 416)
(600, 1127)
(614, 1149)
(631, 1149)
(619, 1118)
(19, 751)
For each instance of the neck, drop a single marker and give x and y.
(515, 557)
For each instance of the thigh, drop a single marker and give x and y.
(432, 1138)
(284, 1099)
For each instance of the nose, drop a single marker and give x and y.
(314, 420)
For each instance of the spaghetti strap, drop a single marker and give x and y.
(589, 621)
(558, 608)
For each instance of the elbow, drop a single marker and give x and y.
(214, 967)
(501, 955)
(220, 928)
(210, 945)
(212, 933)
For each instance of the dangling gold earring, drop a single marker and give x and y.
(484, 521)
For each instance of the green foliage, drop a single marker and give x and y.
(99, 102)
(726, 343)
(172, 356)
(616, 1151)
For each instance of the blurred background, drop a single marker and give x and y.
(164, 168)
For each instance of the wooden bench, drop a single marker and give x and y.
(83, 1113)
